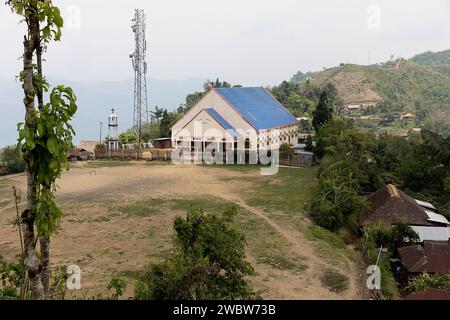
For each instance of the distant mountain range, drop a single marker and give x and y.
(421, 83)
(95, 101)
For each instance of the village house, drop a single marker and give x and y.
(79, 154)
(432, 257)
(247, 119)
(390, 205)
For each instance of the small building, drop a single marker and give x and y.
(162, 143)
(307, 159)
(247, 119)
(432, 257)
(407, 117)
(88, 145)
(390, 205)
(354, 107)
(79, 154)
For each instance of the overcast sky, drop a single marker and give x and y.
(252, 42)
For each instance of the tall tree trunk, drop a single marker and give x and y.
(40, 93)
(32, 263)
(44, 242)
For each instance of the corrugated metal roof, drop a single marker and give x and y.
(433, 257)
(213, 113)
(434, 217)
(438, 255)
(432, 233)
(413, 258)
(425, 204)
(258, 107)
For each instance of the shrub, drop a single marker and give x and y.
(11, 160)
(425, 281)
(208, 263)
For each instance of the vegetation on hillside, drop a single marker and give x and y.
(439, 61)
(208, 262)
(354, 163)
(420, 86)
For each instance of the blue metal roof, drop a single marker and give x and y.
(223, 122)
(258, 107)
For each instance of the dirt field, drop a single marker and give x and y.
(118, 217)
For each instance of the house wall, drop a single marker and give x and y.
(264, 139)
(209, 128)
(214, 100)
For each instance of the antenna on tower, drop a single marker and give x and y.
(140, 73)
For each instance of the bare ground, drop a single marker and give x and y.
(104, 242)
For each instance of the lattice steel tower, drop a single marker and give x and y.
(140, 73)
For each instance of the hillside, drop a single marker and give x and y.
(419, 85)
(439, 61)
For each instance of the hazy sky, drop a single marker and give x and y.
(252, 42)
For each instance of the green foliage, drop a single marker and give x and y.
(285, 149)
(48, 14)
(128, 137)
(118, 285)
(11, 160)
(288, 94)
(334, 281)
(44, 143)
(426, 281)
(420, 86)
(350, 148)
(309, 143)
(325, 107)
(151, 131)
(439, 61)
(336, 202)
(12, 276)
(167, 121)
(391, 237)
(300, 76)
(209, 262)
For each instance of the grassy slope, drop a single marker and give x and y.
(426, 84)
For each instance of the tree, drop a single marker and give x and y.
(158, 113)
(336, 202)
(11, 158)
(325, 107)
(128, 137)
(44, 138)
(208, 263)
(167, 121)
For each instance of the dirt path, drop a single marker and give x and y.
(301, 245)
(103, 242)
